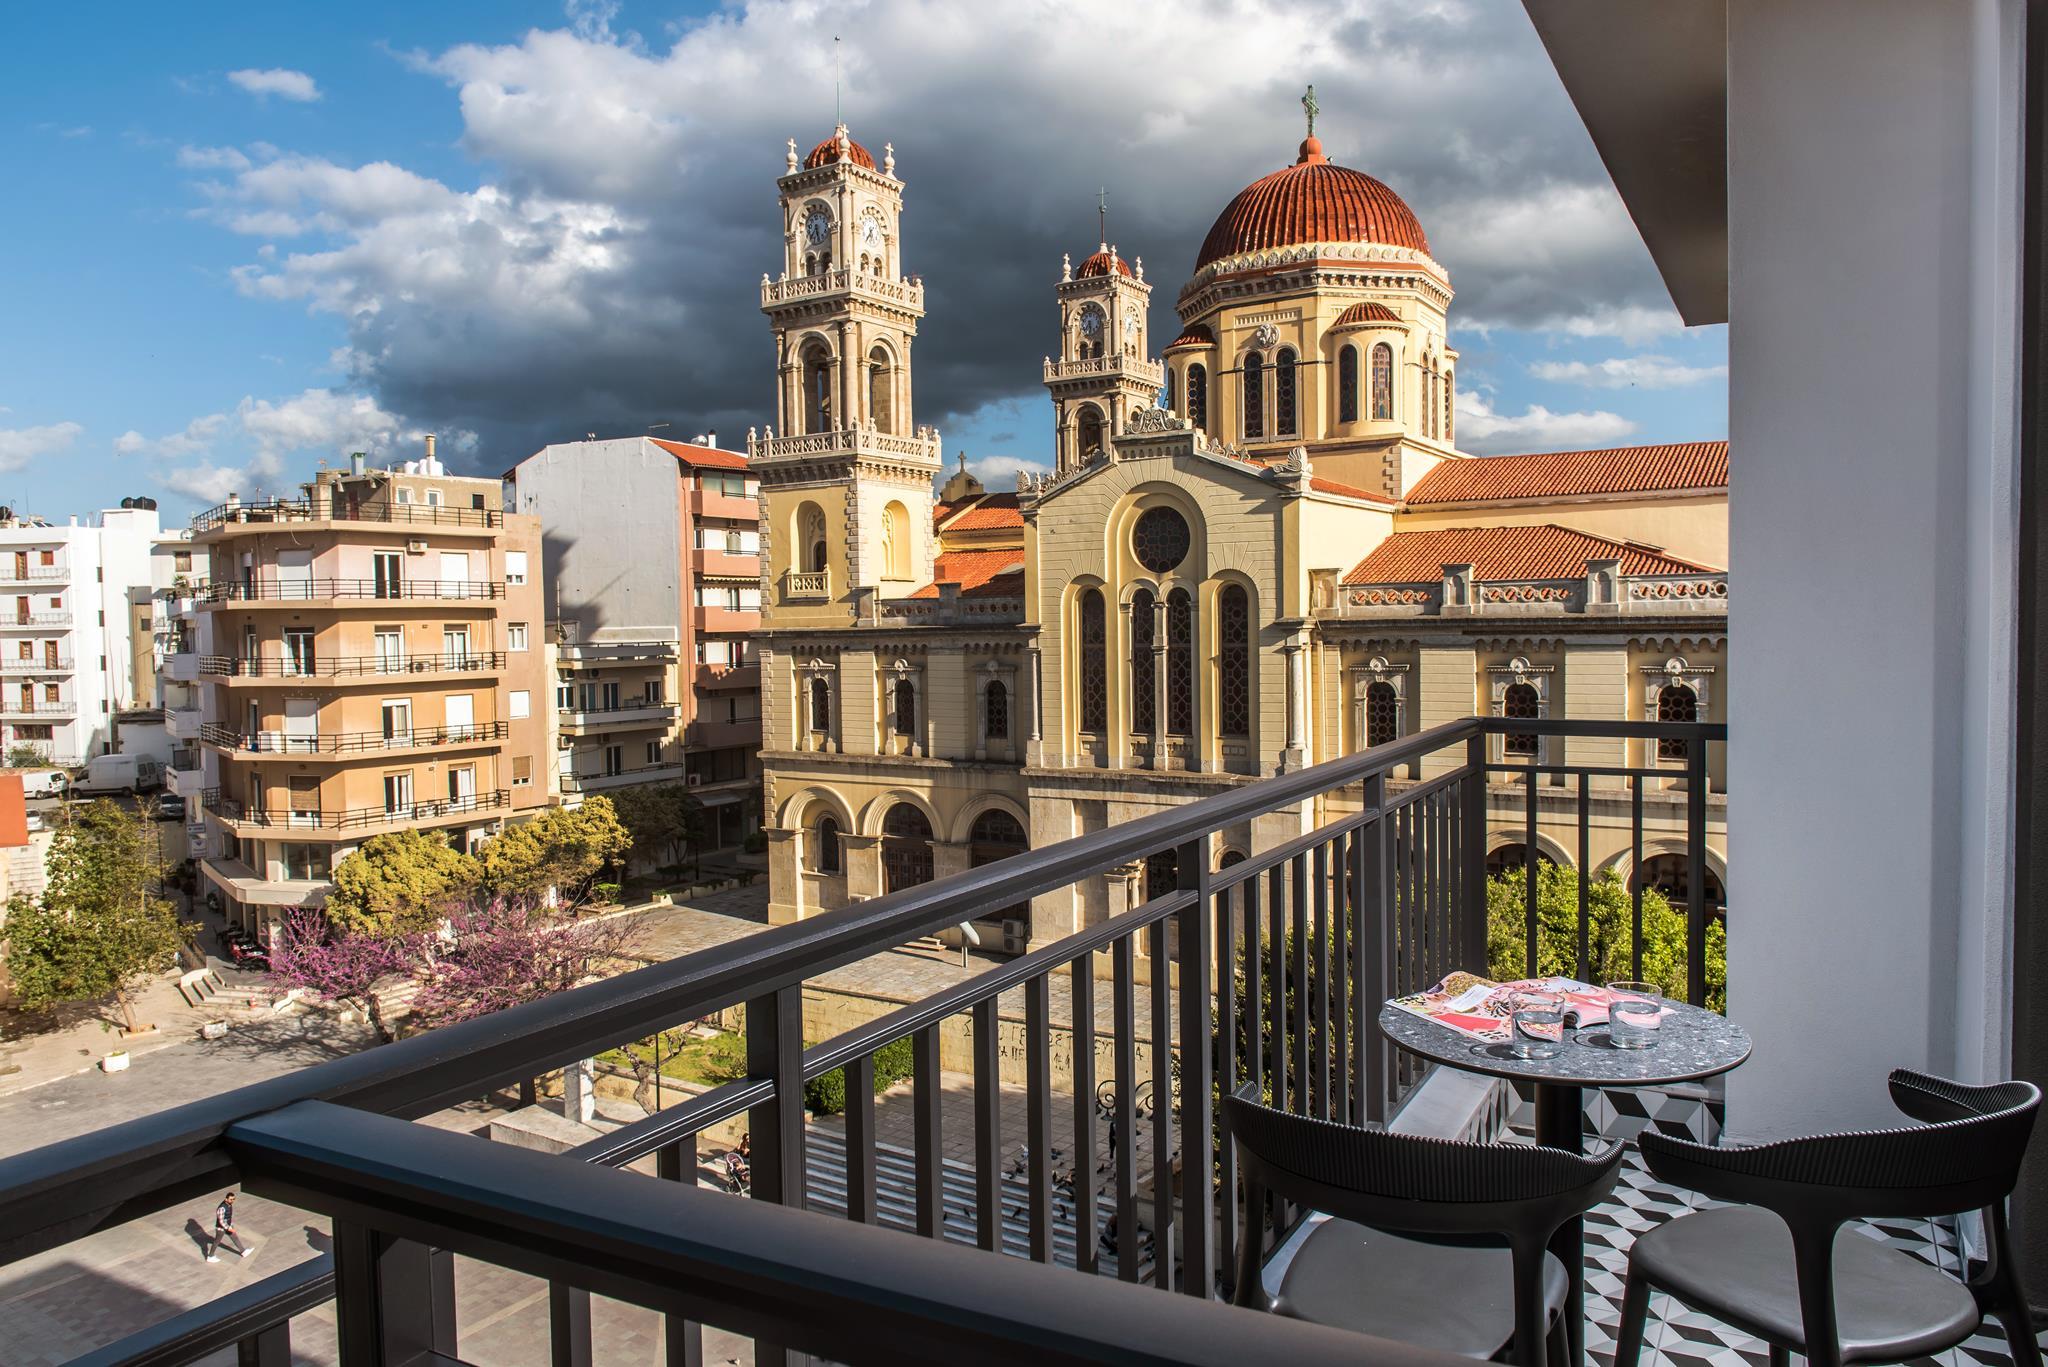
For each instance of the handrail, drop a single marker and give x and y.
(348, 818)
(312, 590)
(350, 742)
(232, 666)
(223, 1321)
(303, 510)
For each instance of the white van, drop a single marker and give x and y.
(119, 774)
(44, 782)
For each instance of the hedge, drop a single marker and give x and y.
(826, 1094)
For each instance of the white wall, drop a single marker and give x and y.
(611, 536)
(1873, 266)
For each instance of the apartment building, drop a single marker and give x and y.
(67, 627)
(653, 593)
(366, 659)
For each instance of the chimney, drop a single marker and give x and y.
(711, 440)
(358, 463)
(430, 446)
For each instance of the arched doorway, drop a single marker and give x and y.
(995, 836)
(1671, 875)
(906, 848)
(1512, 858)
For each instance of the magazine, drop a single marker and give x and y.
(1480, 1007)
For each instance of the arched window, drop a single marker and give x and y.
(1094, 663)
(906, 708)
(996, 836)
(1676, 702)
(1088, 433)
(1198, 395)
(825, 845)
(1428, 399)
(1382, 382)
(1283, 393)
(1448, 425)
(1167, 399)
(1233, 661)
(895, 541)
(1382, 713)
(810, 537)
(995, 711)
(1347, 384)
(906, 848)
(1162, 874)
(881, 407)
(821, 706)
(1180, 663)
(1144, 673)
(1520, 701)
(817, 401)
(1254, 396)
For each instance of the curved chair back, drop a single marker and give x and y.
(1966, 1156)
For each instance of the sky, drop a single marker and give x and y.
(241, 240)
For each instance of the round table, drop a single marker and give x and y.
(1691, 1044)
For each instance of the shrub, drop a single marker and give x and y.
(604, 892)
(755, 843)
(826, 1094)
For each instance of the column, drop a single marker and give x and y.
(1291, 757)
(1158, 758)
(785, 876)
(863, 856)
(1027, 703)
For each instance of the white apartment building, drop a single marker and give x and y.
(67, 627)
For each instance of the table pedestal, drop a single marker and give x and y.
(1560, 1124)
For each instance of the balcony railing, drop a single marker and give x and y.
(845, 442)
(34, 574)
(350, 742)
(304, 510)
(38, 709)
(35, 619)
(909, 291)
(624, 778)
(351, 818)
(1268, 972)
(1137, 367)
(310, 590)
(805, 583)
(42, 664)
(344, 666)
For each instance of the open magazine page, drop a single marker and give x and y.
(1479, 1007)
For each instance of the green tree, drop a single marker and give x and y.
(97, 931)
(658, 817)
(562, 848)
(398, 883)
(1609, 933)
(25, 755)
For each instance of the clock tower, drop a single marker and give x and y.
(1102, 376)
(846, 473)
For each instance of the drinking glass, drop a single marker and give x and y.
(1538, 1029)
(1634, 1016)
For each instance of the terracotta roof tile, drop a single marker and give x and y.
(826, 153)
(1331, 486)
(1365, 315)
(1505, 553)
(985, 513)
(710, 457)
(1194, 334)
(1102, 263)
(1699, 465)
(1314, 200)
(990, 574)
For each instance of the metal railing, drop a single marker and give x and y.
(1269, 971)
(351, 818)
(342, 666)
(39, 665)
(35, 619)
(305, 510)
(35, 574)
(310, 590)
(350, 742)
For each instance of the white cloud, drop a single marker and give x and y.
(130, 443)
(1000, 472)
(282, 82)
(20, 445)
(212, 158)
(1536, 428)
(1628, 372)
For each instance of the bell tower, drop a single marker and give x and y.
(1102, 376)
(846, 473)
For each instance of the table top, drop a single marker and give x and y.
(1692, 1044)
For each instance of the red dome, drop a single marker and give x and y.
(1102, 263)
(827, 152)
(1194, 334)
(1313, 200)
(1365, 315)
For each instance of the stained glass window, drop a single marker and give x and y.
(1347, 384)
(1254, 396)
(1382, 381)
(1283, 394)
(1144, 719)
(995, 712)
(1234, 662)
(1198, 396)
(1382, 714)
(1520, 701)
(1676, 702)
(1160, 539)
(1180, 663)
(1094, 663)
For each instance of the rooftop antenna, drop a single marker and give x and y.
(656, 426)
(1102, 215)
(838, 115)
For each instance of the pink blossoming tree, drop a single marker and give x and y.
(335, 967)
(506, 952)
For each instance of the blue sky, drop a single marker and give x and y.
(244, 239)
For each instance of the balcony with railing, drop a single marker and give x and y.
(624, 778)
(39, 709)
(632, 714)
(36, 664)
(996, 1250)
(35, 621)
(797, 584)
(432, 664)
(1149, 373)
(270, 591)
(923, 445)
(719, 735)
(907, 292)
(435, 811)
(35, 575)
(262, 513)
(266, 744)
(728, 678)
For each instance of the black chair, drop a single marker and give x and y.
(1782, 1265)
(1476, 1280)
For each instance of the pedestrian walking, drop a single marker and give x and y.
(224, 1228)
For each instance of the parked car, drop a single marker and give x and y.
(168, 807)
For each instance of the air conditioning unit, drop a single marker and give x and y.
(416, 547)
(692, 780)
(1016, 935)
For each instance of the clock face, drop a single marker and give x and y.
(871, 233)
(1091, 323)
(1131, 328)
(817, 224)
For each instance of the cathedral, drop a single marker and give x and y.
(1259, 548)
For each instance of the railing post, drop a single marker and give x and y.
(1197, 950)
(267, 1347)
(1472, 858)
(394, 1300)
(1372, 946)
(775, 1050)
(1696, 872)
